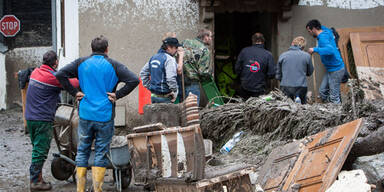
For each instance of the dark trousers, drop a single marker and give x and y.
(292, 92)
(245, 94)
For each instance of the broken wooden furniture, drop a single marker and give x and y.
(311, 164)
(174, 158)
(172, 153)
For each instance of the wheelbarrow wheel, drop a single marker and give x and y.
(126, 177)
(61, 169)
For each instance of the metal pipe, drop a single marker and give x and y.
(65, 158)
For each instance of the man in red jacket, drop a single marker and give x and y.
(42, 99)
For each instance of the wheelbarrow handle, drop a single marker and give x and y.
(65, 158)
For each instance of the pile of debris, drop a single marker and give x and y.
(272, 123)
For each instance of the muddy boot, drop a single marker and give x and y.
(40, 185)
(98, 178)
(37, 182)
(81, 174)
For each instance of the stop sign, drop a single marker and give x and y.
(9, 25)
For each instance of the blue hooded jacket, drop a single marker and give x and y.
(327, 49)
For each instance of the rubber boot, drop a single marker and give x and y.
(81, 174)
(98, 178)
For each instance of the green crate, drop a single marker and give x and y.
(211, 92)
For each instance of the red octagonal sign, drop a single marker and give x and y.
(9, 25)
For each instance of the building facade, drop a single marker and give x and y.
(135, 28)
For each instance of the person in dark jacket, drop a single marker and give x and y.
(292, 68)
(41, 103)
(254, 65)
(330, 56)
(99, 76)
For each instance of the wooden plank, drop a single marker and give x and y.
(238, 184)
(188, 138)
(221, 178)
(149, 128)
(23, 100)
(138, 166)
(166, 131)
(236, 181)
(199, 155)
(357, 52)
(155, 142)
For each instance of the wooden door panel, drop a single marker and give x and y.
(310, 164)
(375, 55)
(278, 165)
(317, 162)
(368, 49)
(368, 53)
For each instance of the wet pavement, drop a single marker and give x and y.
(15, 158)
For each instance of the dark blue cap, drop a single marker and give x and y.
(171, 41)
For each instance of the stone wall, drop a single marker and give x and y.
(135, 29)
(19, 59)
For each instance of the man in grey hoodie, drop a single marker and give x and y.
(292, 68)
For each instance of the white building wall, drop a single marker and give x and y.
(3, 82)
(344, 4)
(70, 51)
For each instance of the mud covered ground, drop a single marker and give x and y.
(15, 158)
(268, 124)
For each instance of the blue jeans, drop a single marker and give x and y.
(193, 88)
(330, 86)
(160, 100)
(87, 131)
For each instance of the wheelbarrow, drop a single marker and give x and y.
(66, 138)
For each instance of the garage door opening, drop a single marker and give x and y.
(233, 32)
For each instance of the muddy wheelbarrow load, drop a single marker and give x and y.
(171, 159)
(66, 138)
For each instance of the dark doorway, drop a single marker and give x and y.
(233, 32)
(36, 23)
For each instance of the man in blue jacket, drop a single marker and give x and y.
(98, 77)
(159, 74)
(331, 58)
